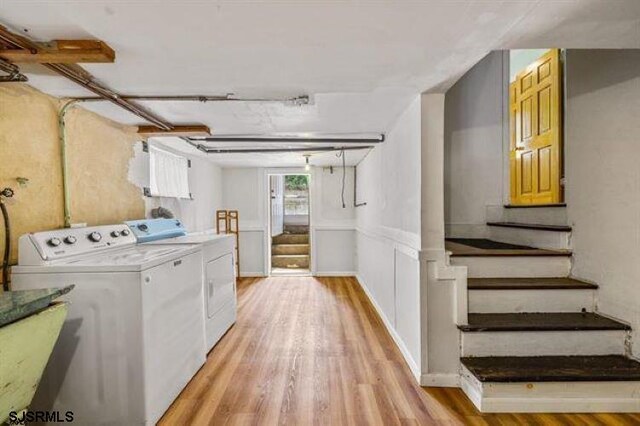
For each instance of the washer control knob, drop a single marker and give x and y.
(54, 242)
(115, 234)
(95, 237)
(70, 239)
(125, 232)
(143, 227)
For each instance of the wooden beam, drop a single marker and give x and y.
(63, 52)
(185, 131)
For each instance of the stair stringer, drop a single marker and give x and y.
(446, 306)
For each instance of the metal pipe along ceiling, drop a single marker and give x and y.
(81, 77)
(280, 150)
(298, 100)
(267, 139)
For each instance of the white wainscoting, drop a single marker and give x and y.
(252, 257)
(389, 273)
(333, 251)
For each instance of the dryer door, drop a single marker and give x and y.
(221, 286)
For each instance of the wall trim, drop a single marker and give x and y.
(440, 380)
(333, 227)
(336, 273)
(252, 274)
(411, 363)
(401, 245)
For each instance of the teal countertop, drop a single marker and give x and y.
(22, 303)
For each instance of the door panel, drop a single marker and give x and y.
(536, 132)
(221, 287)
(276, 187)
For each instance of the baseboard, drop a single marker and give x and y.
(249, 274)
(440, 380)
(396, 338)
(335, 273)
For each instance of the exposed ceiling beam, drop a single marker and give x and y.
(82, 77)
(180, 131)
(62, 52)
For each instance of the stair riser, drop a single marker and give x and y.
(530, 237)
(296, 229)
(541, 343)
(542, 215)
(552, 397)
(504, 301)
(291, 239)
(290, 249)
(515, 266)
(297, 262)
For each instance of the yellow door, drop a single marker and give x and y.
(536, 132)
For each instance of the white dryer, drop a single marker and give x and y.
(134, 334)
(219, 280)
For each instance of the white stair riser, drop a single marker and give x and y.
(515, 266)
(531, 237)
(552, 397)
(541, 343)
(543, 215)
(504, 301)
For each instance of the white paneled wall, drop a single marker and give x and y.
(388, 235)
(333, 227)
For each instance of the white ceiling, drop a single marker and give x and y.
(360, 61)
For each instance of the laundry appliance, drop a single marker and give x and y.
(219, 280)
(134, 335)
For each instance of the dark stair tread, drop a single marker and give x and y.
(553, 368)
(535, 226)
(481, 247)
(533, 206)
(528, 284)
(541, 321)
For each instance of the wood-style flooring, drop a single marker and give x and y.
(313, 351)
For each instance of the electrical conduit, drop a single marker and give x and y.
(63, 158)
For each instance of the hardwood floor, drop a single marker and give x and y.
(313, 351)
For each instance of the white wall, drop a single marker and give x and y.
(332, 232)
(603, 177)
(519, 59)
(474, 141)
(389, 232)
(205, 182)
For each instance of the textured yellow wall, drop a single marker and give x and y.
(99, 151)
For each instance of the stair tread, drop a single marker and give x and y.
(535, 226)
(541, 321)
(528, 284)
(533, 206)
(460, 247)
(289, 255)
(553, 368)
(291, 244)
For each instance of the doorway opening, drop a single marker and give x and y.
(535, 127)
(289, 224)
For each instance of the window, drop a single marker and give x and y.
(168, 174)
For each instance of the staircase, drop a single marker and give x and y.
(535, 341)
(290, 250)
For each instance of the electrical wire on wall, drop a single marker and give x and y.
(344, 174)
(6, 193)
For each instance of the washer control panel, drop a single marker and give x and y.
(61, 243)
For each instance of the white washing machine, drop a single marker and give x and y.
(134, 335)
(219, 280)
